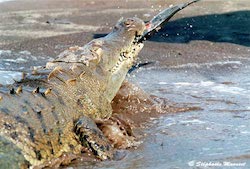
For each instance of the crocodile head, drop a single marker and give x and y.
(109, 57)
(121, 53)
(123, 48)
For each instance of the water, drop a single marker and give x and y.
(9, 77)
(14, 64)
(5, 0)
(216, 136)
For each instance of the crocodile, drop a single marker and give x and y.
(54, 123)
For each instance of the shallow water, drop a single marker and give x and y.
(215, 137)
(14, 64)
(4, 0)
(217, 134)
(9, 77)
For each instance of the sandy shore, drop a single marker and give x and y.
(202, 32)
(211, 31)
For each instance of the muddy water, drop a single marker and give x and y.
(215, 137)
(218, 134)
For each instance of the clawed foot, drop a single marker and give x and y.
(92, 137)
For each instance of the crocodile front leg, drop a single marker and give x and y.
(92, 137)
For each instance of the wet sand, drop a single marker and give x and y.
(212, 31)
(203, 32)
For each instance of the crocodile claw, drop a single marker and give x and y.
(92, 137)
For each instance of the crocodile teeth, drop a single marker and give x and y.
(120, 59)
(118, 63)
(116, 67)
(123, 55)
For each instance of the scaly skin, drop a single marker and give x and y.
(110, 57)
(56, 119)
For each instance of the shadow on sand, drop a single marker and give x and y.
(233, 27)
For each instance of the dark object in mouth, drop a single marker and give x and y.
(160, 20)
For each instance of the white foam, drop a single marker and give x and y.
(217, 87)
(169, 122)
(5, 52)
(201, 83)
(228, 89)
(25, 52)
(9, 77)
(206, 83)
(206, 148)
(245, 132)
(162, 83)
(183, 84)
(5, 0)
(214, 154)
(18, 60)
(194, 121)
(199, 65)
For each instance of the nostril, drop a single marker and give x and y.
(129, 21)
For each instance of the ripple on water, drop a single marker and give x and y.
(21, 60)
(9, 77)
(204, 135)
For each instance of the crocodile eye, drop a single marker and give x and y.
(116, 28)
